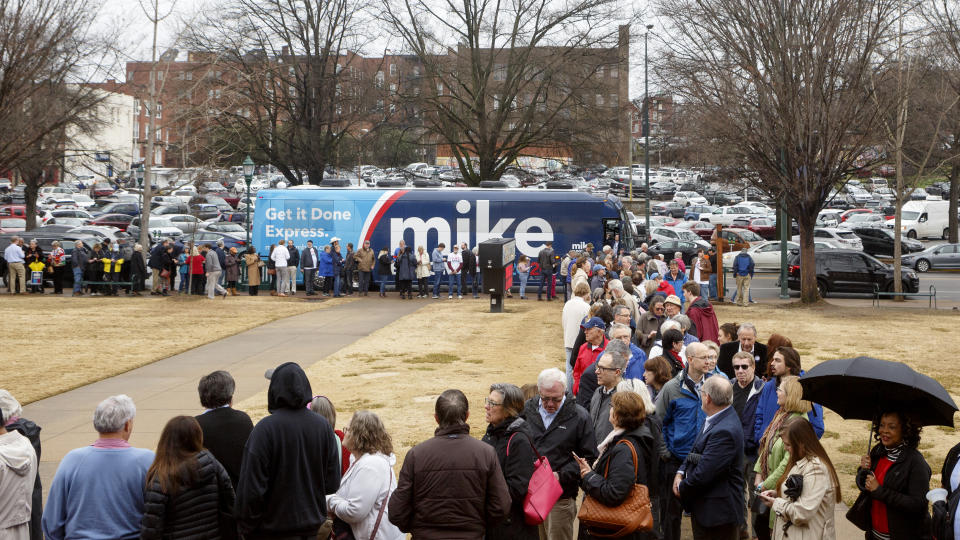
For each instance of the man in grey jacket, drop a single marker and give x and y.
(609, 367)
(213, 270)
(308, 263)
(437, 263)
(545, 260)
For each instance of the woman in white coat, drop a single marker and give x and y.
(364, 490)
(804, 513)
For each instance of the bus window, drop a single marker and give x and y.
(611, 227)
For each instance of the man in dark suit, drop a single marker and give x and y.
(746, 342)
(225, 430)
(710, 481)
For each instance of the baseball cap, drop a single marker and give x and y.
(673, 299)
(655, 275)
(599, 267)
(594, 322)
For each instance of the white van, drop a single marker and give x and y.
(924, 219)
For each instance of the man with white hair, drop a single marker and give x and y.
(616, 289)
(16, 273)
(560, 428)
(97, 491)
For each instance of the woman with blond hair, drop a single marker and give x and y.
(360, 503)
(424, 270)
(773, 456)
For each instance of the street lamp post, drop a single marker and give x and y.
(140, 186)
(248, 166)
(646, 131)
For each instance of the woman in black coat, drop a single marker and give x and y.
(138, 270)
(384, 263)
(503, 407)
(168, 262)
(893, 481)
(406, 272)
(33, 254)
(189, 494)
(611, 478)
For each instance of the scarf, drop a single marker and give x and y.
(893, 454)
(602, 447)
(770, 436)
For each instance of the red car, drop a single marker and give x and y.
(120, 221)
(848, 213)
(701, 228)
(765, 227)
(102, 190)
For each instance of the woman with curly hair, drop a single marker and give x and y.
(893, 481)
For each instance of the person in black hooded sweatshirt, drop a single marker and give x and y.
(289, 464)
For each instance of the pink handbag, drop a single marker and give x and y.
(543, 490)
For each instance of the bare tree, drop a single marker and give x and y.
(787, 85)
(943, 20)
(507, 79)
(47, 54)
(292, 83)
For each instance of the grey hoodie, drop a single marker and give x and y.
(18, 467)
(212, 262)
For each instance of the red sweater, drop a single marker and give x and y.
(586, 356)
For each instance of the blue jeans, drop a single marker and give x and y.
(308, 274)
(183, 282)
(383, 284)
(364, 282)
(454, 279)
(523, 284)
(713, 286)
(336, 284)
(473, 280)
(545, 279)
(77, 280)
(437, 278)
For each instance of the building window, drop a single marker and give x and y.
(614, 72)
(379, 104)
(439, 89)
(393, 70)
(130, 76)
(416, 71)
(339, 68)
(181, 75)
(614, 100)
(159, 75)
(136, 106)
(599, 100)
(600, 72)
(189, 75)
(159, 110)
(499, 72)
(496, 102)
(380, 79)
(393, 88)
(216, 93)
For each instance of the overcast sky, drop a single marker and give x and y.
(137, 31)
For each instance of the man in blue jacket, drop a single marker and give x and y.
(786, 361)
(710, 481)
(679, 410)
(743, 273)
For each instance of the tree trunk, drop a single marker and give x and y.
(808, 267)
(954, 191)
(897, 244)
(31, 188)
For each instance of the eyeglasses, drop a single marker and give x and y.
(658, 308)
(490, 403)
(551, 399)
(603, 368)
(738, 367)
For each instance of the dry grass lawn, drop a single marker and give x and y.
(399, 370)
(53, 344)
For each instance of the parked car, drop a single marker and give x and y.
(178, 207)
(212, 187)
(689, 197)
(937, 257)
(120, 221)
(877, 241)
(119, 208)
(110, 234)
(687, 249)
(669, 208)
(101, 189)
(65, 213)
(725, 215)
(205, 211)
(12, 224)
(185, 222)
(160, 227)
(863, 219)
(233, 229)
(662, 190)
(667, 234)
(723, 198)
(763, 227)
(701, 228)
(766, 255)
(734, 239)
(67, 221)
(828, 218)
(82, 201)
(924, 219)
(211, 237)
(840, 238)
(694, 211)
(851, 271)
(846, 214)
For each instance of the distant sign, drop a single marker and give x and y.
(101, 156)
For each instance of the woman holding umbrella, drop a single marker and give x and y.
(773, 455)
(893, 481)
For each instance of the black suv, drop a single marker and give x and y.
(850, 271)
(877, 241)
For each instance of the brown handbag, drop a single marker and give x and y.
(633, 514)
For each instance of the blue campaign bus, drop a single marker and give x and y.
(427, 217)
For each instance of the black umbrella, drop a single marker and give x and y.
(859, 388)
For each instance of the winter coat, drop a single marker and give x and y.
(294, 260)
(32, 255)
(517, 469)
(903, 492)
(337, 260)
(649, 322)
(156, 254)
(743, 265)
(704, 320)
(424, 268)
(811, 515)
(617, 462)
(252, 260)
(677, 284)
(586, 355)
(574, 311)
(196, 263)
(678, 408)
(545, 259)
(450, 487)
(225, 432)
(232, 268)
(406, 266)
(168, 262)
(137, 265)
(362, 493)
(18, 475)
(706, 268)
(324, 264)
(436, 259)
(31, 431)
(600, 405)
(79, 256)
(365, 259)
(469, 262)
(748, 416)
(384, 265)
(197, 510)
(212, 263)
(570, 431)
(290, 463)
(349, 264)
(776, 463)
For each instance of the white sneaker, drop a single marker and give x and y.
(449, 297)
(459, 297)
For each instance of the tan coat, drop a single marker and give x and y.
(364, 258)
(252, 260)
(812, 513)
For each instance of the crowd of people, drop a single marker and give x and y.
(655, 392)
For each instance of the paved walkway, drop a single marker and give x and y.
(168, 387)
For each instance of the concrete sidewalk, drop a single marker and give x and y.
(168, 387)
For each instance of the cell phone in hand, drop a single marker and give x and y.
(576, 456)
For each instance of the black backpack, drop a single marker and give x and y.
(943, 517)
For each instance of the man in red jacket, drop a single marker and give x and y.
(701, 313)
(595, 332)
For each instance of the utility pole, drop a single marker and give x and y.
(151, 133)
(646, 133)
